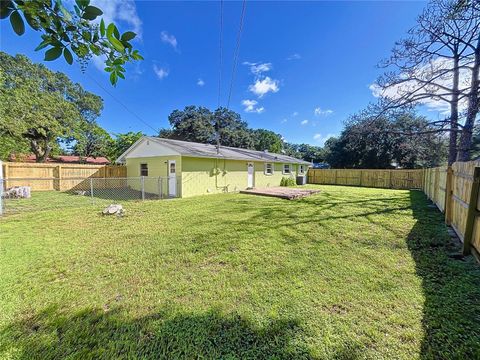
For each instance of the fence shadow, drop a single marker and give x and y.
(164, 335)
(451, 313)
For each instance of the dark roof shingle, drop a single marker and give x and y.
(194, 149)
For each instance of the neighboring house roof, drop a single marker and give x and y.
(67, 159)
(193, 149)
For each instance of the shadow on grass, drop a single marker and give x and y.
(165, 335)
(451, 319)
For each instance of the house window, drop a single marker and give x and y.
(268, 169)
(301, 169)
(143, 169)
(286, 169)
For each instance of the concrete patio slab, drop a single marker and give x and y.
(281, 192)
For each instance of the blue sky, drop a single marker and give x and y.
(295, 57)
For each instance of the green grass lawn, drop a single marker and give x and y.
(350, 273)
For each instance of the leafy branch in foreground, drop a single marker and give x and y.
(70, 33)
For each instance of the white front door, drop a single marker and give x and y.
(250, 172)
(172, 178)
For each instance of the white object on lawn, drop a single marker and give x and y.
(18, 192)
(113, 209)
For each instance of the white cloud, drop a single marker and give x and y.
(304, 122)
(200, 82)
(160, 72)
(169, 39)
(283, 121)
(321, 139)
(123, 12)
(295, 113)
(99, 62)
(251, 106)
(262, 87)
(258, 68)
(319, 112)
(423, 73)
(294, 56)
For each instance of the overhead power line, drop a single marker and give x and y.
(220, 70)
(236, 52)
(122, 104)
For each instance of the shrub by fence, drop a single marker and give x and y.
(393, 179)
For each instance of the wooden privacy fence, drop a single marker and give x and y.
(54, 176)
(455, 191)
(394, 179)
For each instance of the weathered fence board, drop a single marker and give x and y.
(459, 214)
(54, 176)
(395, 179)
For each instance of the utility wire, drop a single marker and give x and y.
(220, 55)
(122, 104)
(236, 52)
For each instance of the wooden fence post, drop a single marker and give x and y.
(336, 177)
(472, 212)
(448, 196)
(6, 175)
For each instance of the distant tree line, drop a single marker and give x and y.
(199, 124)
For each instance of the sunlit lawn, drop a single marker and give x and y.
(350, 273)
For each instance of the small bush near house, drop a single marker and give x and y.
(287, 181)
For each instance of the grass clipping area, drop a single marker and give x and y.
(349, 273)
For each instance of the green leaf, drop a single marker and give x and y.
(17, 23)
(93, 10)
(129, 35)
(117, 44)
(68, 56)
(31, 21)
(88, 16)
(82, 3)
(6, 7)
(53, 53)
(42, 45)
(86, 36)
(120, 75)
(110, 29)
(102, 27)
(91, 13)
(95, 49)
(113, 78)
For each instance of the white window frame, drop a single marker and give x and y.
(272, 168)
(142, 169)
(301, 169)
(289, 169)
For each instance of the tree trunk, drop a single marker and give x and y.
(452, 146)
(472, 110)
(41, 154)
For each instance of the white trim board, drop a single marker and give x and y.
(147, 147)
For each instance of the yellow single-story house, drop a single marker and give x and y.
(188, 168)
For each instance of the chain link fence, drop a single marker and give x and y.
(35, 194)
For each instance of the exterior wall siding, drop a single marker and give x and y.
(157, 168)
(199, 176)
(202, 176)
